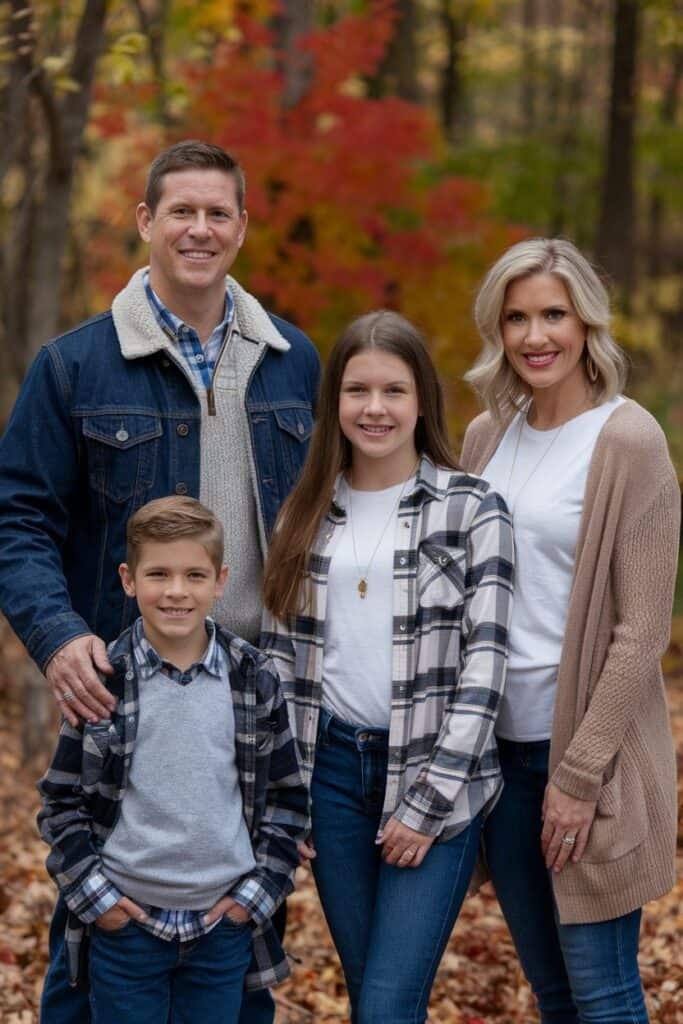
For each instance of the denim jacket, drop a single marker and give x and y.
(95, 433)
(84, 787)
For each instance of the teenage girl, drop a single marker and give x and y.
(388, 590)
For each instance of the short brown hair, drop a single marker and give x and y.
(169, 519)
(188, 155)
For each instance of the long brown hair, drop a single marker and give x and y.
(330, 452)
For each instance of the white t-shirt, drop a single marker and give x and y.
(545, 496)
(358, 631)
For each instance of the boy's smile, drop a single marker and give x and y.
(175, 583)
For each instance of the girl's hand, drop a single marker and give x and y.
(564, 818)
(403, 846)
(306, 851)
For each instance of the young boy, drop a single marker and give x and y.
(173, 827)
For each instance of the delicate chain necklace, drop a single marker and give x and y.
(522, 420)
(363, 575)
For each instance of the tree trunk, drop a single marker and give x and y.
(667, 118)
(616, 234)
(296, 17)
(397, 74)
(529, 69)
(454, 113)
(66, 122)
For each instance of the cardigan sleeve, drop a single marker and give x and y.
(643, 573)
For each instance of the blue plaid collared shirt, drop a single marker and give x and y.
(149, 662)
(200, 359)
(182, 924)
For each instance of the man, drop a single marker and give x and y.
(187, 386)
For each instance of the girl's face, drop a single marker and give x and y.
(543, 336)
(378, 409)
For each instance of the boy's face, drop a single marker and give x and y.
(175, 584)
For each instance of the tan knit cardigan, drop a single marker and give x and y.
(611, 739)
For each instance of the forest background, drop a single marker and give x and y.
(393, 149)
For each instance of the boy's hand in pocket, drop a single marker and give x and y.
(119, 915)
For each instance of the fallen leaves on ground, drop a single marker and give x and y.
(479, 981)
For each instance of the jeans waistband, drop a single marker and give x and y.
(361, 737)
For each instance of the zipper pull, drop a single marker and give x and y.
(211, 401)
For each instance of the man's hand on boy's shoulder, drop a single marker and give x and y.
(119, 915)
(227, 907)
(72, 674)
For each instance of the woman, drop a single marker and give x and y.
(388, 585)
(584, 832)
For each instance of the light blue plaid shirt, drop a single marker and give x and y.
(200, 359)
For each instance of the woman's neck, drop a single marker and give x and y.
(368, 474)
(552, 407)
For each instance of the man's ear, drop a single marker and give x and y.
(220, 581)
(144, 218)
(127, 579)
(244, 220)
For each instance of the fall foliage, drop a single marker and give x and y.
(479, 981)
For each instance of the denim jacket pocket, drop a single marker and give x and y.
(122, 453)
(440, 576)
(295, 424)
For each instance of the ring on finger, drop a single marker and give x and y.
(568, 840)
(68, 696)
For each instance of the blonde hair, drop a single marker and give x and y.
(497, 384)
(173, 518)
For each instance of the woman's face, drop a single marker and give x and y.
(543, 336)
(378, 408)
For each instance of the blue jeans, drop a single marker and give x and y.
(62, 1004)
(579, 973)
(390, 925)
(137, 977)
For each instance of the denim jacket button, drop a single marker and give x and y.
(122, 435)
(181, 488)
(182, 430)
(129, 676)
(402, 561)
(402, 628)
(301, 428)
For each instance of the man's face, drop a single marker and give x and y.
(194, 234)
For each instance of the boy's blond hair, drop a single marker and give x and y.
(174, 518)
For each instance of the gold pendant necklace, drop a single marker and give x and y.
(362, 585)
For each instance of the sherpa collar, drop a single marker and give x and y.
(140, 335)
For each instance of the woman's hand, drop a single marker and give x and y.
(403, 846)
(564, 818)
(306, 851)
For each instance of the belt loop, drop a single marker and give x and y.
(324, 720)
